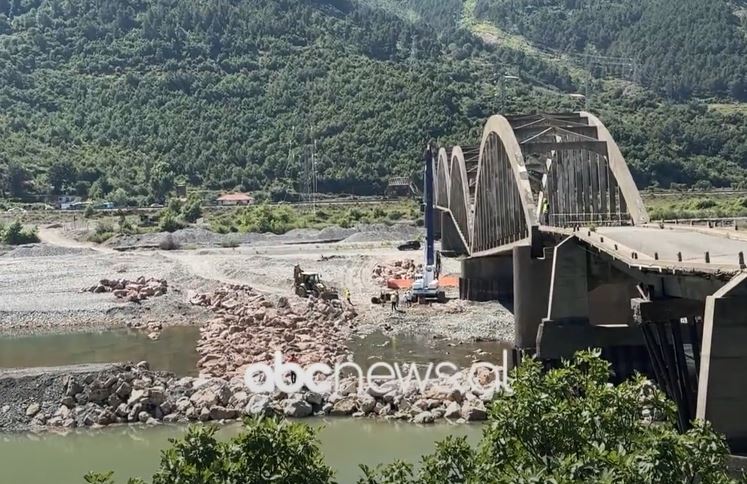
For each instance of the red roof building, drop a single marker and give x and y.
(230, 199)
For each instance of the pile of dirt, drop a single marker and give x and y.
(385, 233)
(46, 250)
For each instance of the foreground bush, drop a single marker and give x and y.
(565, 425)
(266, 451)
(570, 425)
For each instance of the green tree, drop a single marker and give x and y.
(192, 210)
(570, 425)
(267, 450)
(15, 234)
(169, 222)
(161, 181)
(60, 174)
(119, 198)
(14, 179)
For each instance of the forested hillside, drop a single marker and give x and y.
(136, 93)
(684, 47)
(131, 96)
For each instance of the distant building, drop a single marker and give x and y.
(233, 199)
(62, 201)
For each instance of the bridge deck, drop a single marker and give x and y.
(667, 243)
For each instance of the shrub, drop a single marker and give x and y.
(15, 234)
(89, 212)
(230, 242)
(395, 214)
(175, 205)
(169, 222)
(192, 210)
(168, 243)
(267, 450)
(564, 425)
(569, 425)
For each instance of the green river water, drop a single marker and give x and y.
(134, 451)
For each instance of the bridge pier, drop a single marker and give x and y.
(722, 394)
(531, 278)
(487, 278)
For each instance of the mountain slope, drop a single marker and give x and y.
(684, 47)
(134, 93)
(97, 96)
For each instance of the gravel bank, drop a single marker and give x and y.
(40, 290)
(194, 237)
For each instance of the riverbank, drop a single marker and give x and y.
(101, 395)
(241, 299)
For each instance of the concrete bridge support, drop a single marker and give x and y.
(531, 278)
(722, 391)
(487, 278)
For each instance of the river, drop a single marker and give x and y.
(135, 450)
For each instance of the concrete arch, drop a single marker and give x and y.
(568, 164)
(620, 169)
(460, 204)
(443, 180)
(505, 211)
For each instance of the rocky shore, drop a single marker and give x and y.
(101, 395)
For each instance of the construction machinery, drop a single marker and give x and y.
(425, 288)
(307, 284)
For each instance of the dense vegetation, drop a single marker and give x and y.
(684, 47)
(565, 425)
(280, 219)
(122, 100)
(677, 206)
(137, 94)
(15, 234)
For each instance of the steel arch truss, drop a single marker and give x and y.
(558, 170)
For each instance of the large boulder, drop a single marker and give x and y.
(32, 410)
(344, 407)
(366, 403)
(297, 408)
(423, 418)
(259, 404)
(205, 398)
(473, 411)
(222, 413)
(453, 411)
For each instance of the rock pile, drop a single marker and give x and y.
(250, 328)
(399, 269)
(132, 291)
(134, 394)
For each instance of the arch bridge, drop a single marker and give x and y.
(545, 215)
(552, 170)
